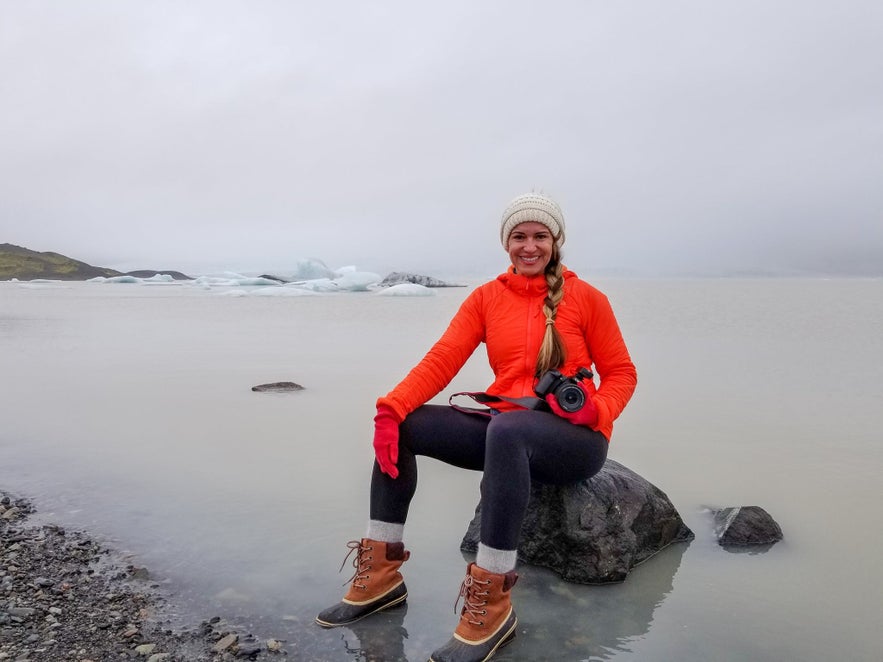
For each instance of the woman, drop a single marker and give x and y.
(536, 317)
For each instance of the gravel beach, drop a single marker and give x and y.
(64, 596)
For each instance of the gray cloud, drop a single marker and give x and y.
(680, 136)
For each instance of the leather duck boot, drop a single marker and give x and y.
(487, 620)
(377, 583)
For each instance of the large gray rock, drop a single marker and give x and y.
(597, 530)
(277, 387)
(398, 277)
(744, 526)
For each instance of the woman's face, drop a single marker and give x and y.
(530, 248)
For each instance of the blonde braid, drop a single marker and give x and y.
(552, 352)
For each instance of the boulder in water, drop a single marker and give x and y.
(744, 526)
(594, 531)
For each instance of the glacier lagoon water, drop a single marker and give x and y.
(127, 411)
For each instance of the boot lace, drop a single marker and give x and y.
(474, 599)
(360, 563)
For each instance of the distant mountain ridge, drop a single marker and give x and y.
(25, 264)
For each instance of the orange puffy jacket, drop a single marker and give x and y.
(507, 315)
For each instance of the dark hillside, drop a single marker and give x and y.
(25, 264)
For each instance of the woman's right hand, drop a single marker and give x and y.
(386, 440)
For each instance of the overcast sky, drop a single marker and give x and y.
(678, 135)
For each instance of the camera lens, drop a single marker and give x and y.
(570, 397)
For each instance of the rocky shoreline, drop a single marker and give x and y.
(64, 596)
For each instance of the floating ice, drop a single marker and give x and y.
(208, 281)
(406, 290)
(42, 284)
(310, 276)
(311, 269)
(157, 279)
(357, 281)
(257, 282)
(283, 292)
(316, 285)
(122, 279)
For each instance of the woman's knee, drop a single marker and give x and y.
(517, 425)
(508, 434)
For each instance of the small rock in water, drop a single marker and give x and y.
(139, 573)
(248, 648)
(145, 649)
(225, 643)
(277, 387)
(745, 525)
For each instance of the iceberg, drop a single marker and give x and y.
(406, 290)
(260, 281)
(158, 278)
(311, 269)
(357, 281)
(233, 280)
(42, 284)
(122, 279)
(350, 281)
(283, 292)
(208, 281)
(316, 285)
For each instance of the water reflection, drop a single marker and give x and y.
(380, 638)
(563, 621)
(747, 549)
(557, 620)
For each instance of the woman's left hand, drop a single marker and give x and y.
(586, 415)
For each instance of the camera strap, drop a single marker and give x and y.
(487, 399)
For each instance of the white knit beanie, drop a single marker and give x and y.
(535, 207)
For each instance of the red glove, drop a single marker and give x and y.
(386, 440)
(587, 415)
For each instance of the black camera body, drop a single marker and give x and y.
(568, 394)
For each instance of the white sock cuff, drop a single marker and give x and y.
(385, 531)
(498, 561)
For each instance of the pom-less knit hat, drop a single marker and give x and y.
(535, 207)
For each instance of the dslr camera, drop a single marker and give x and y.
(568, 394)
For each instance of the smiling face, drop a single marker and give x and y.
(530, 248)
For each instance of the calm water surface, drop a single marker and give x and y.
(127, 411)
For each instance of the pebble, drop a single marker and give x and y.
(249, 648)
(145, 649)
(225, 643)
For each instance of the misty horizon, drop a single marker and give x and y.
(682, 138)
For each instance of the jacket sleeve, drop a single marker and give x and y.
(442, 362)
(617, 374)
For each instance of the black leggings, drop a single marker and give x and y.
(511, 448)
